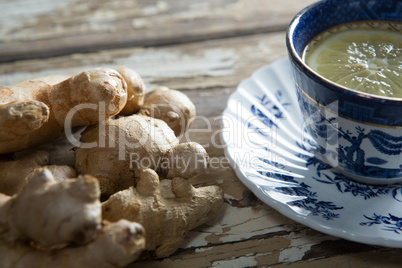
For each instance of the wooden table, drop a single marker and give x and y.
(204, 49)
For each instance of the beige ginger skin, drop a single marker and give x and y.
(66, 232)
(34, 112)
(167, 221)
(14, 174)
(136, 88)
(171, 106)
(52, 213)
(117, 245)
(127, 145)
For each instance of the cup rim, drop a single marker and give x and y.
(321, 79)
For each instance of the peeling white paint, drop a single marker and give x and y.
(152, 64)
(243, 223)
(200, 6)
(235, 11)
(152, 10)
(141, 23)
(20, 18)
(174, 64)
(246, 261)
(12, 12)
(102, 15)
(300, 243)
(17, 13)
(198, 250)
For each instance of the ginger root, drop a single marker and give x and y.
(34, 112)
(52, 213)
(14, 174)
(171, 106)
(166, 220)
(24, 117)
(127, 145)
(135, 88)
(117, 245)
(58, 224)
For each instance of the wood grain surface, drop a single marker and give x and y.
(203, 49)
(43, 28)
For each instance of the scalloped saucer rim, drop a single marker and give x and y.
(295, 196)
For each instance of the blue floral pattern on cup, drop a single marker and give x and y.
(350, 152)
(359, 133)
(345, 185)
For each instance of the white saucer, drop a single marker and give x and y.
(271, 154)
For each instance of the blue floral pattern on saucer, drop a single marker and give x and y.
(391, 223)
(272, 153)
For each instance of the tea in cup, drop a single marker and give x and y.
(346, 63)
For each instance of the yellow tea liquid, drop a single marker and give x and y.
(364, 56)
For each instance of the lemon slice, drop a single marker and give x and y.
(366, 60)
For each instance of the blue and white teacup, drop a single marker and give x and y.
(359, 134)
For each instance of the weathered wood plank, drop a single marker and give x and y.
(280, 249)
(209, 64)
(44, 28)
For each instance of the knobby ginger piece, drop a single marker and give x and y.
(115, 152)
(171, 106)
(167, 221)
(52, 213)
(34, 112)
(116, 245)
(58, 224)
(14, 174)
(135, 88)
